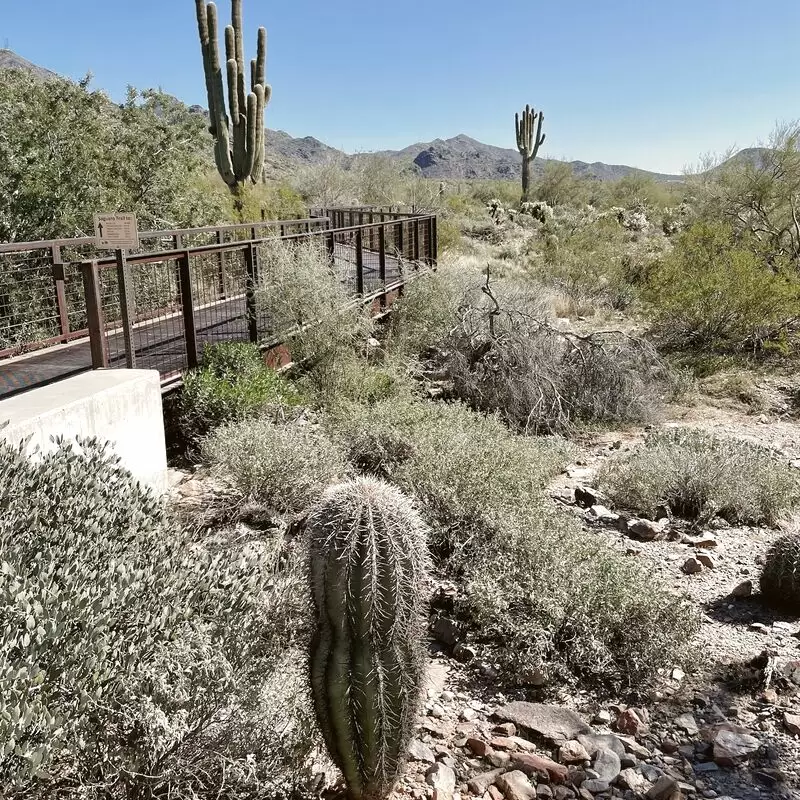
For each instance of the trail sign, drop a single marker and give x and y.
(116, 231)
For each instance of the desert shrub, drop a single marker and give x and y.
(780, 576)
(233, 384)
(535, 593)
(301, 293)
(713, 292)
(281, 466)
(131, 650)
(697, 475)
(502, 356)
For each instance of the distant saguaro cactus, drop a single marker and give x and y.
(528, 144)
(239, 139)
(368, 570)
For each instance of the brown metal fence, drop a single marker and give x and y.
(157, 310)
(42, 300)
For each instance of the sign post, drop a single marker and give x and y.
(121, 233)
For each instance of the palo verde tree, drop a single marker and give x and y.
(528, 144)
(239, 139)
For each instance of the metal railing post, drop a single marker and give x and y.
(61, 292)
(359, 263)
(415, 241)
(94, 315)
(222, 278)
(382, 262)
(330, 241)
(127, 307)
(434, 242)
(187, 309)
(251, 281)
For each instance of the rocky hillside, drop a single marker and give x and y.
(10, 60)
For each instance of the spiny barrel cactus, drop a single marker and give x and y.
(780, 577)
(368, 571)
(239, 140)
(528, 144)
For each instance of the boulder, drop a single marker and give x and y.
(542, 767)
(443, 780)
(692, 566)
(665, 788)
(516, 786)
(792, 723)
(419, 751)
(481, 783)
(645, 530)
(573, 752)
(606, 764)
(733, 746)
(602, 741)
(554, 723)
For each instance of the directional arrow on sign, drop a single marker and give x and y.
(100, 228)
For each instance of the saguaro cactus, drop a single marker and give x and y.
(239, 139)
(368, 568)
(528, 144)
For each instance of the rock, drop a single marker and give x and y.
(743, 589)
(586, 497)
(443, 780)
(687, 722)
(505, 729)
(645, 530)
(706, 560)
(503, 743)
(465, 653)
(552, 722)
(421, 752)
(678, 674)
(573, 752)
(602, 718)
(601, 514)
(433, 727)
(692, 566)
(665, 788)
(633, 747)
(446, 631)
(770, 776)
(759, 627)
(437, 711)
(516, 786)
(606, 764)
(706, 541)
(478, 747)
(595, 786)
(468, 714)
(563, 793)
(601, 741)
(481, 783)
(634, 780)
(523, 744)
(706, 766)
(544, 791)
(497, 758)
(533, 764)
(494, 793)
(792, 723)
(448, 696)
(732, 747)
(628, 721)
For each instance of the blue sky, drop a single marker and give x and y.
(651, 83)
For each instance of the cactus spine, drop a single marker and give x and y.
(368, 571)
(780, 577)
(238, 139)
(528, 144)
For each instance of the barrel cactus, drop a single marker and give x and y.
(780, 578)
(368, 564)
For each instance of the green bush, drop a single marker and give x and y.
(697, 476)
(535, 593)
(780, 577)
(284, 467)
(232, 384)
(131, 651)
(714, 292)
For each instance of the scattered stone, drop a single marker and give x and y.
(633, 747)
(505, 729)
(543, 790)
(769, 696)
(448, 697)
(601, 514)
(628, 721)
(665, 788)
(573, 752)
(468, 714)
(669, 746)
(481, 783)
(586, 497)
(792, 723)
(516, 786)
(759, 627)
(523, 744)
(464, 653)
(706, 766)
(443, 780)
(595, 786)
(497, 758)
(706, 560)
(563, 793)
(503, 743)
(678, 674)
(437, 711)
(421, 752)
(446, 631)
(606, 764)
(743, 589)
(645, 529)
(634, 780)
(687, 722)
(706, 541)
(494, 793)
(770, 776)
(602, 718)
(433, 727)
(733, 746)
(593, 742)
(478, 747)
(692, 566)
(552, 722)
(533, 764)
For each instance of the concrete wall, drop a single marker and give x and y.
(120, 406)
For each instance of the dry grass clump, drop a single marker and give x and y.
(284, 467)
(697, 475)
(535, 593)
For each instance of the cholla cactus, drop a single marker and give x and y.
(539, 210)
(368, 573)
(496, 210)
(780, 577)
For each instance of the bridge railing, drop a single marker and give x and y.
(42, 300)
(157, 310)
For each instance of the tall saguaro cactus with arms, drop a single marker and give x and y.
(238, 138)
(528, 143)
